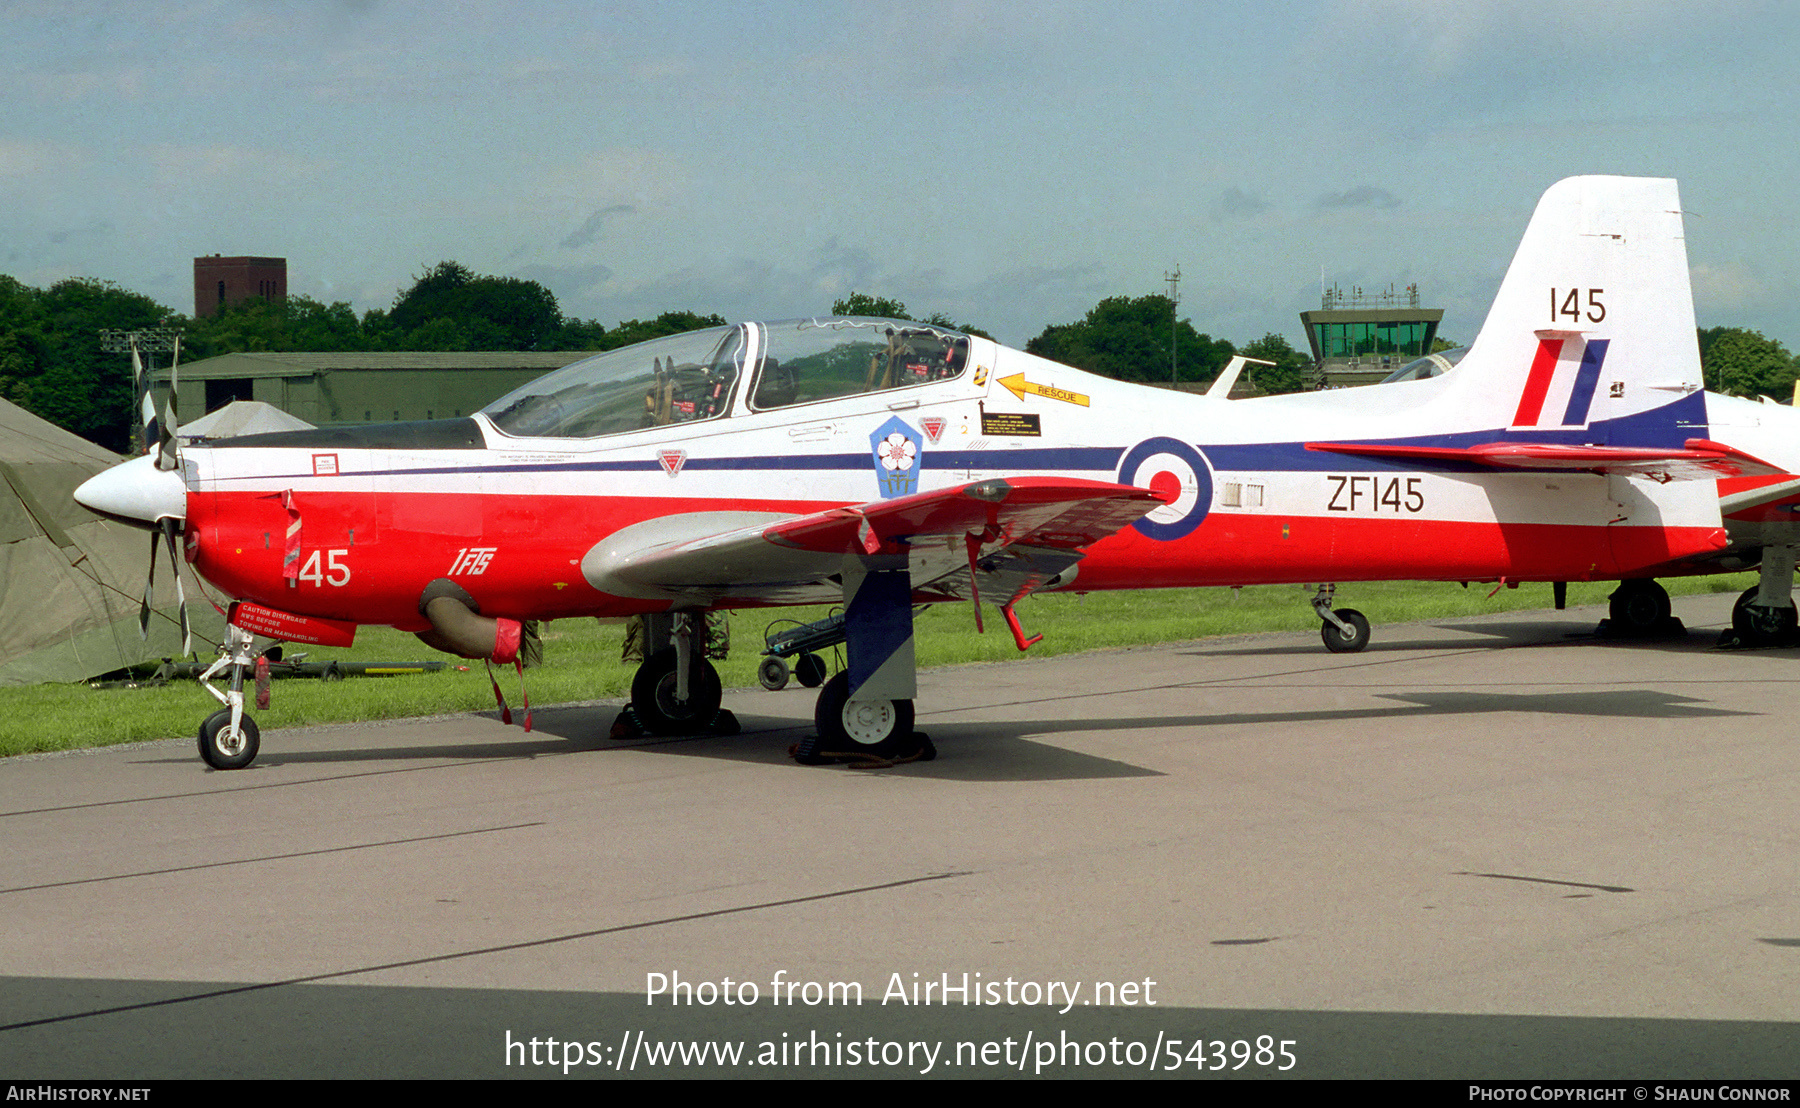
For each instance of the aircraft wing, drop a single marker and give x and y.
(1020, 532)
(1698, 459)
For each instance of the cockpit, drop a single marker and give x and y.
(750, 367)
(1431, 365)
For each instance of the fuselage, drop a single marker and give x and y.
(363, 518)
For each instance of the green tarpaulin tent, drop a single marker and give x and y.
(70, 582)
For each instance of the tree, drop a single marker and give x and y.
(861, 303)
(1744, 363)
(257, 325)
(858, 303)
(669, 323)
(22, 342)
(1127, 338)
(1284, 375)
(485, 313)
(76, 385)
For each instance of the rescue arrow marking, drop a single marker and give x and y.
(1019, 386)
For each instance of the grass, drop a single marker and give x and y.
(581, 657)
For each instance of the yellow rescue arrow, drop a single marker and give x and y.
(1019, 386)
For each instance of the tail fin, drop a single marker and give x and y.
(1591, 338)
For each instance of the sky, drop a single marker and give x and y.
(1008, 164)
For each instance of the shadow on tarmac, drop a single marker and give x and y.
(64, 1028)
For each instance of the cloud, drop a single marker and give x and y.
(1235, 203)
(1727, 288)
(98, 228)
(572, 285)
(29, 158)
(1362, 196)
(590, 230)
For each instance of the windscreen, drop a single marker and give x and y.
(676, 379)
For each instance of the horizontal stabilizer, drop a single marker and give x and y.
(1698, 459)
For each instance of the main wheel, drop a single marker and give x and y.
(1757, 624)
(773, 673)
(1339, 641)
(879, 728)
(1638, 607)
(810, 669)
(658, 709)
(223, 748)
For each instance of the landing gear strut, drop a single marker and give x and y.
(676, 691)
(228, 738)
(865, 713)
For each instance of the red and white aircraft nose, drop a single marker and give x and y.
(135, 492)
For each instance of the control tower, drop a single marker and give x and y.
(1358, 338)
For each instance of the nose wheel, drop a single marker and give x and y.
(228, 737)
(224, 745)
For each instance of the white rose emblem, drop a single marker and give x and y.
(897, 451)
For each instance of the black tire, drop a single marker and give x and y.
(653, 696)
(810, 669)
(1638, 607)
(878, 728)
(1345, 642)
(222, 750)
(1756, 624)
(773, 673)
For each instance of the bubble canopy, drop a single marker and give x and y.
(667, 380)
(696, 375)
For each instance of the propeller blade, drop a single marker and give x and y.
(169, 533)
(146, 403)
(168, 450)
(149, 584)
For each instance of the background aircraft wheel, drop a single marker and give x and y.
(773, 673)
(811, 670)
(881, 728)
(1638, 607)
(1757, 624)
(223, 748)
(653, 696)
(1342, 642)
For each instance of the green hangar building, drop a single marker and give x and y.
(363, 387)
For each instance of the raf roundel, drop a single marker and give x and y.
(1179, 474)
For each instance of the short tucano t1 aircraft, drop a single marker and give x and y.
(884, 464)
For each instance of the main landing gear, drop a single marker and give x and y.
(1765, 615)
(676, 690)
(1639, 608)
(1345, 630)
(865, 729)
(864, 714)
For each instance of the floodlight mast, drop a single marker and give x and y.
(146, 341)
(1174, 280)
